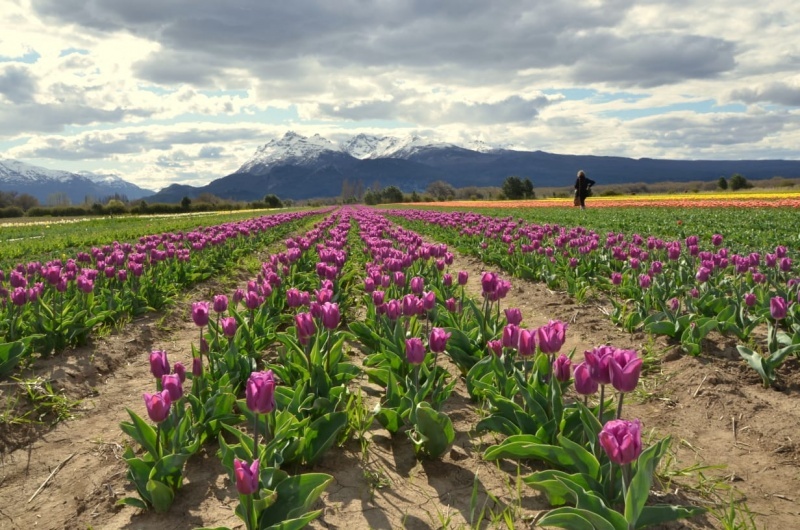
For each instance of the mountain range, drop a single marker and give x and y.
(42, 183)
(300, 167)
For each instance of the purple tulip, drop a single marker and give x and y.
(561, 368)
(616, 278)
(463, 276)
(624, 368)
(394, 309)
(157, 405)
(200, 313)
(19, 296)
(584, 384)
(526, 342)
(409, 305)
(180, 371)
(159, 365)
(415, 351)
(750, 299)
(777, 307)
(551, 336)
(172, 384)
(369, 285)
(417, 285)
(495, 346)
(260, 392)
(785, 264)
(228, 325)
(220, 303)
(598, 360)
(510, 336)
(428, 300)
(246, 476)
(438, 340)
(252, 300)
(451, 305)
(513, 316)
(447, 280)
(330, 315)
(716, 240)
(304, 323)
(399, 279)
(622, 440)
(702, 274)
(197, 366)
(674, 305)
(644, 281)
(488, 283)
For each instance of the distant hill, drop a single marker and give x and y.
(300, 167)
(42, 182)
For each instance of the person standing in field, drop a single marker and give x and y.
(582, 186)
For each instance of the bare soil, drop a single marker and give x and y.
(745, 437)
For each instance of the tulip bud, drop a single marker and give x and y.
(551, 336)
(513, 316)
(246, 476)
(415, 351)
(180, 371)
(220, 303)
(463, 276)
(228, 325)
(561, 368)
(598, 360)
(622, 440)
(158, 363)
(584, 384)
(510, 336)
(260, 392)
(624, 369)
(526, 342)
(197, 366)
(330, 315)
(200, 313)
(777, 307)
(495, 346)
(304, 323)
(417, 285)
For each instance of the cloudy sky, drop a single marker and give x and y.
(163, 91)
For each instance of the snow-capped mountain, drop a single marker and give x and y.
(42, 182)
(295, 149)
(292, 148)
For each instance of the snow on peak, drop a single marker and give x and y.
(292, 147)
(14, 170)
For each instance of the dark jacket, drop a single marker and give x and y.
(582, 186)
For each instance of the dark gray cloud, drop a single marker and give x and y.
(709, 131)
(778, 92)
(49, 118)
(17, 84)
(283, 42)
(514, 109)
(210, 151)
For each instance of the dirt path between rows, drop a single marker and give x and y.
(715, 410)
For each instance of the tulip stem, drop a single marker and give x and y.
(255, 435)
(619, 405)
(158, 442)
(602, 403)
(248, 512)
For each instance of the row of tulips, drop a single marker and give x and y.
(47, 307)
(294, 408)
(682, 289)
(523, 379)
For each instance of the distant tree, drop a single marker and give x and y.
(97, 208)
(186, 202)
(722, 183)
(513, 188)
(392, 194)
(208, 198)
(115, 206)
(738, 182)
(414, 196)
(59, 198)
(371, 198)
(26, 201)
(527, 189)
(272, 201)
(441, 190)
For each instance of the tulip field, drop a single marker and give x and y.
(408, 368)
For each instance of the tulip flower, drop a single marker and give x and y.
(260, 392)
(624, 369)
(200, 313)
(157, 405)
(417, 285)
(229, 326)
(159, 365)
(438, 340)
(584, 384)
(488, 283)
(777, 307)
(180, 370)
(220, 303)
(197, 366)
(246, 476)
(510, 336)
(415, 351)
(526, 342)
(304, 323)
(369, 285)
(750, 299)
(330, 315)
(622, 440)
(495, 346)
(551, 336)
(463, 276)
(19, 296)
(561, 368)
(172, 384)
(394, 309)
(447, 280)
(428, 300)
(513, 316)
